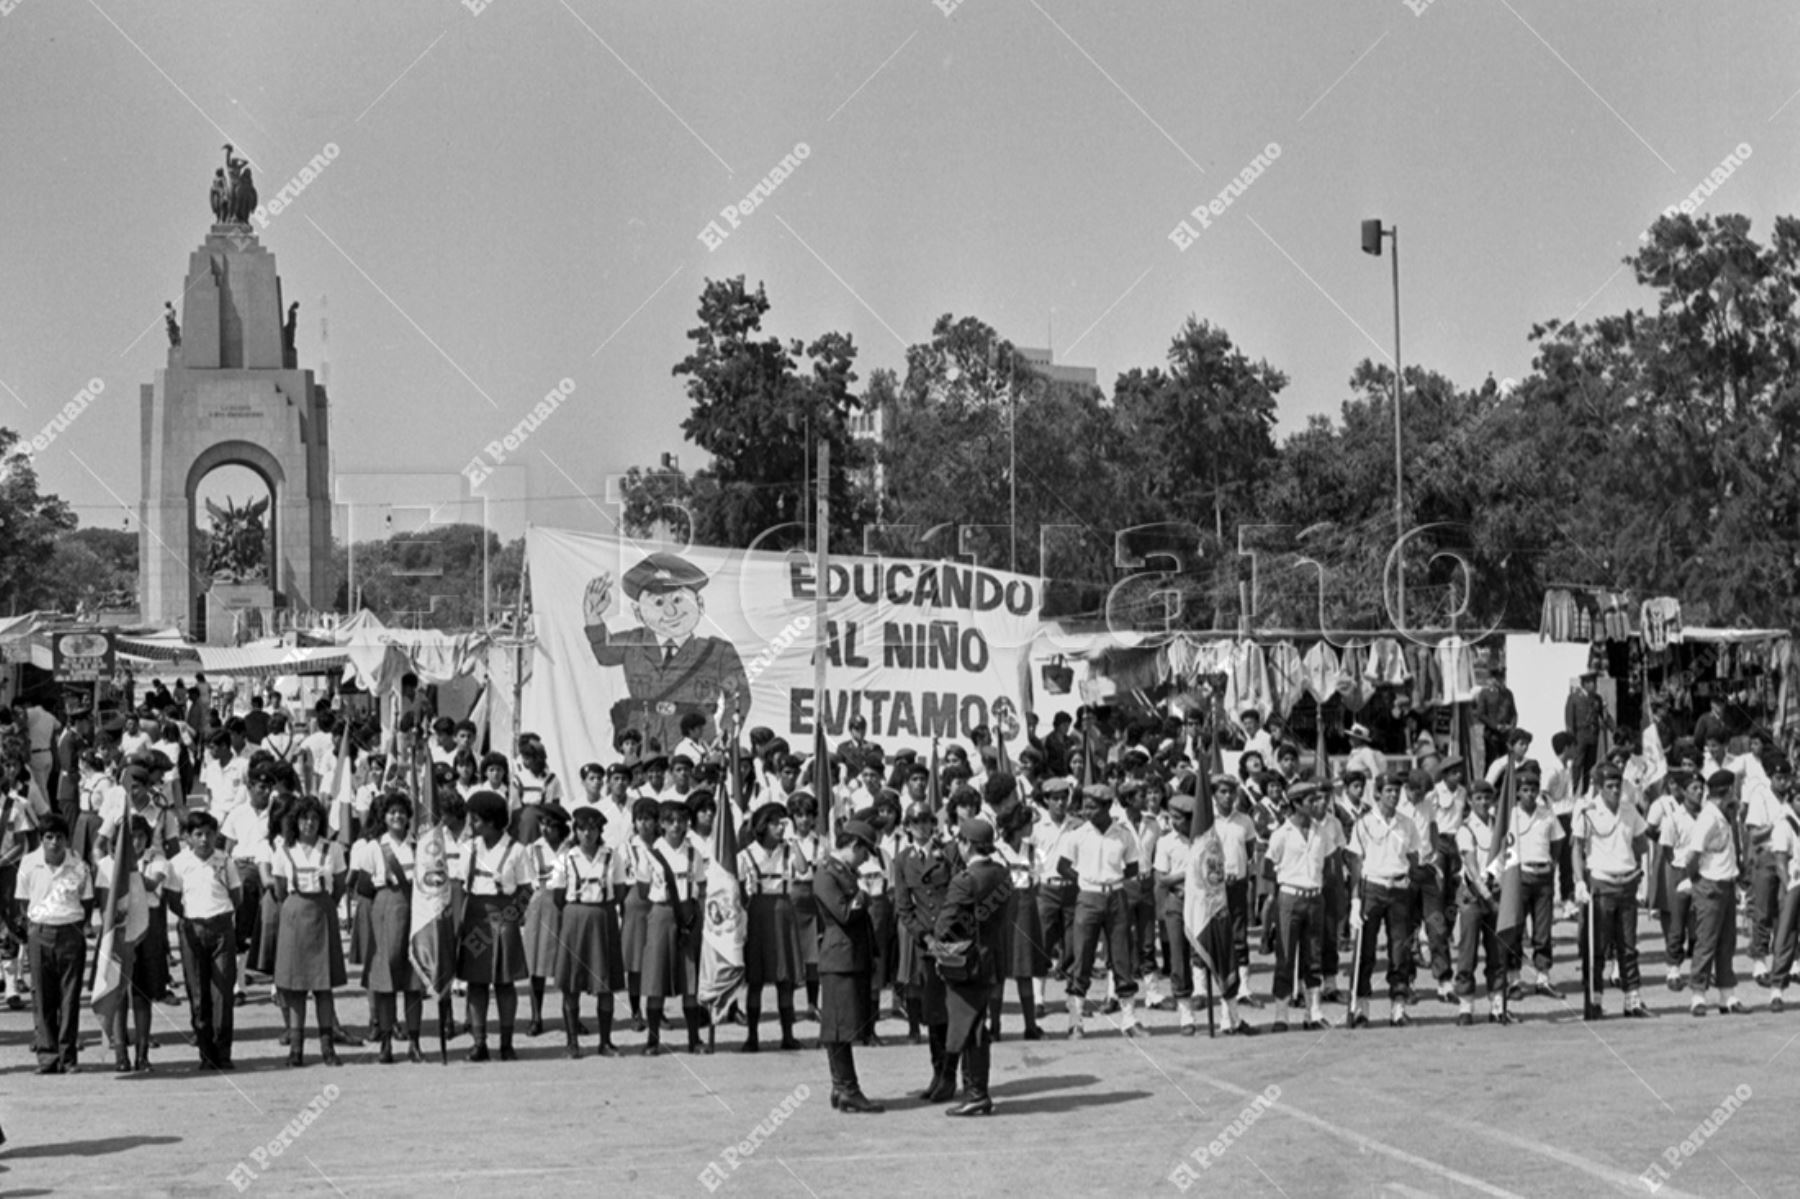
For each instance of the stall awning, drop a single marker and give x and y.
(270, 661)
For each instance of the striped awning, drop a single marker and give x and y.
(271, 661)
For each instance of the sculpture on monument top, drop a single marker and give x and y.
(171, 324)
(292, 327)
(220, 197)
(241, 198)
(238, 542)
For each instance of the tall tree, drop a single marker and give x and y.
(30, 523)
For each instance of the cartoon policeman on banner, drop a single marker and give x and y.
(669, 672)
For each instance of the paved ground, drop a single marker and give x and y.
(1555, 1107)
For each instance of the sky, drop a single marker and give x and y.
(520, 189)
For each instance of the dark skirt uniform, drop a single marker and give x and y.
(543, 927)
(772, 944)
(1025, 955)
(671, 960)
(491, 949)
(248, 924)
(268, 931)
(309, 955)
(590, 962)
(389, 967)
(924, 876)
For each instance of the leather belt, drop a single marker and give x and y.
(1300, 892)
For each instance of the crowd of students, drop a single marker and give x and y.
(292, 865)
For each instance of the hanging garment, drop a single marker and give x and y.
(1558, 620)
(1418, 666)
(1248, 685)
(1180, 655)
(1455, 672)
(1615, 616)
(1354, 687)
(1387, 663)
(1286, 675)
(1319, 669)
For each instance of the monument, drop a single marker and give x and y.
(233, 394)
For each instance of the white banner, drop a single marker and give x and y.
(634, 636)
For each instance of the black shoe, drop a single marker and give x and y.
(979, 1106)
(872, 1042)
(1360, 1020)
(1592, 1011)
(791, 1043)
(852, 1102)
(1034, 1033)
(1776, 1004)
(1280, 1024)
(1761, 978)
(637, 1024)
(345, 1038)
(942, 1090)
(508, 1054)
(1465, 1019)
(50, 1068)
(1545, 989)
(1243, 1029)
(1188, 1030)
(655, 1049)
(413, 1052)
(479, 1053)
(1515, 992)
(607, 1049)
(535, 1029)
(1638, 1011)
(1508, 1017)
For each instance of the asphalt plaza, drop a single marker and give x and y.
(1554, 1106)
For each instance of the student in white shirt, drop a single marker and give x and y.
(1098, 857)
(1169, 870)
(1785, 844)
(385, 865)
(1608, 852)
(224, 776)
(1384, 851)
(671, 933)
(1477, 926)
(588, 881)
(1709, 860)
(309, 880)
(1055, 894)
(204, 889)
(498, 888)
(772, 954)
(1671, 820)
(56, 892)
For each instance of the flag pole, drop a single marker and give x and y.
(821, 647)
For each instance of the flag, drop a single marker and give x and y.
(822, 785)
(1503, 859)
(117, 940)
(722, 940)
(431, 946)
(936, 793)
(1204, 910)
(1655, 758)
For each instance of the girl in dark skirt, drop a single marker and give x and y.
(807, 853)
(490, 953)
(772, 944)
(670, 963)
(639, 865)
(385, 869)
(1023, 957)
(587, 883)
(309, 881)
(543, 918)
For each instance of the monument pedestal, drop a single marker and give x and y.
(239, 612)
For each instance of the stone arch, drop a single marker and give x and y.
(259, 462)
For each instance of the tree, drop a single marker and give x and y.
(432, 578)
(30, 523)
(89, 570)
(761, 412)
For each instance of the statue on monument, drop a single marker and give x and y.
(291, 328)
(238, 542)
(241, 200)
(220, 197)
(172, 325)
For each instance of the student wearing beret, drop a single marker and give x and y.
(587, 882)
(672, 930)
(385, 866)
(772, 954)
(490, 951)
(638, 864)
(543, 916)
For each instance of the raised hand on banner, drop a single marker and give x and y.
(597, 599)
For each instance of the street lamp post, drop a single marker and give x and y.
(1372, 235)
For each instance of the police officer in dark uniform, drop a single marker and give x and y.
(973, 911)
(846, 956)
(668, 670)
(922, 875)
